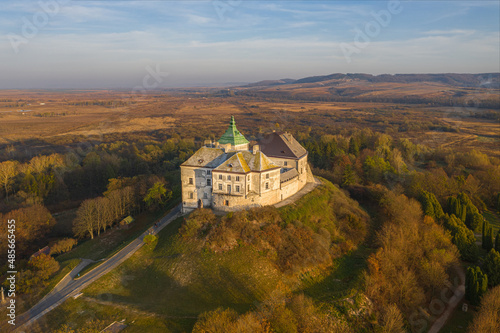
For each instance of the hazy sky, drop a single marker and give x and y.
(115, 44)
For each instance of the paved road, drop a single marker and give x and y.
(57, 297)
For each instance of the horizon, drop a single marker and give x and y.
(64, 44)
(227, 84)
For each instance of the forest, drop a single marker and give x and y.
(417, 214)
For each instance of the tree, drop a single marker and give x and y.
(32, 224)
(487, 319)
(431, 206)
(487, 237)
(497, 241)
(8, 170)
(85, 222)
(492, 267)
(157, 195)
(348, 176)
(103, 215)
(44, 266)
(476, 284)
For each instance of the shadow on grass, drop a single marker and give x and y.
(345, 276)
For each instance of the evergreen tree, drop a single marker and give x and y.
(485, 230)
(497, 241)
(492, 267)
(353, 146)
(489, 239)
(476, 284)
(349, 176)
(498, 202)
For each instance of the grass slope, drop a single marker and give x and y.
(174, 280)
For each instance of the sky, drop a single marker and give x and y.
(79, 44)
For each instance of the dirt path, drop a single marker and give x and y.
(459, 294)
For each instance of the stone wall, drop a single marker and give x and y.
(289, 188)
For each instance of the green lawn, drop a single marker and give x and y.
(493, 219)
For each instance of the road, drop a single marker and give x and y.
(57, 297)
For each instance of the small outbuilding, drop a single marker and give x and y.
(125, 223)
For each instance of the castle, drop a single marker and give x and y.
(227, 175)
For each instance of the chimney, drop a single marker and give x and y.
(255, 149)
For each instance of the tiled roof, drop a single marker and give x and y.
(245, 161)
(206, 157)
(281, 144)
(232, 135)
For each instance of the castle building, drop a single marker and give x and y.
(230, 175)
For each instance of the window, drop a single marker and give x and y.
(286, 163)
(228, 177)
(267, 176)
(220, 187)
(190, 181)
(209, 182)
(228, 188)
(267, 186)
(205, 195)
(191, 195)
(220, 177)
(248, 178)
(248, 188)
(209, 172)
(237, 178)
(226, 202)
(237, 188)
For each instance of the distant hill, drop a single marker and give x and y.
(449, 89)
(486, 80)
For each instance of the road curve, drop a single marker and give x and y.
(55, 299)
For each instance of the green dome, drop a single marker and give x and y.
(232, 135)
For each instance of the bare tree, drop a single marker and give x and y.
(85, 221)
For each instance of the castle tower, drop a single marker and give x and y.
(234, 138)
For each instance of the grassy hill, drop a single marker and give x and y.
(240, 261)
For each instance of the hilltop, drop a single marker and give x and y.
(239, 261)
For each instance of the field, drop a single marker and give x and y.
(168, 285)
(69, 117)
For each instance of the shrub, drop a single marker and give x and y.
(63, 245)
(150, 239)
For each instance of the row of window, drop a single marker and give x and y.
(209, 181)
(237, 189)
(237, 178)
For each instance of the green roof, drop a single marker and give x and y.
(232, 135)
